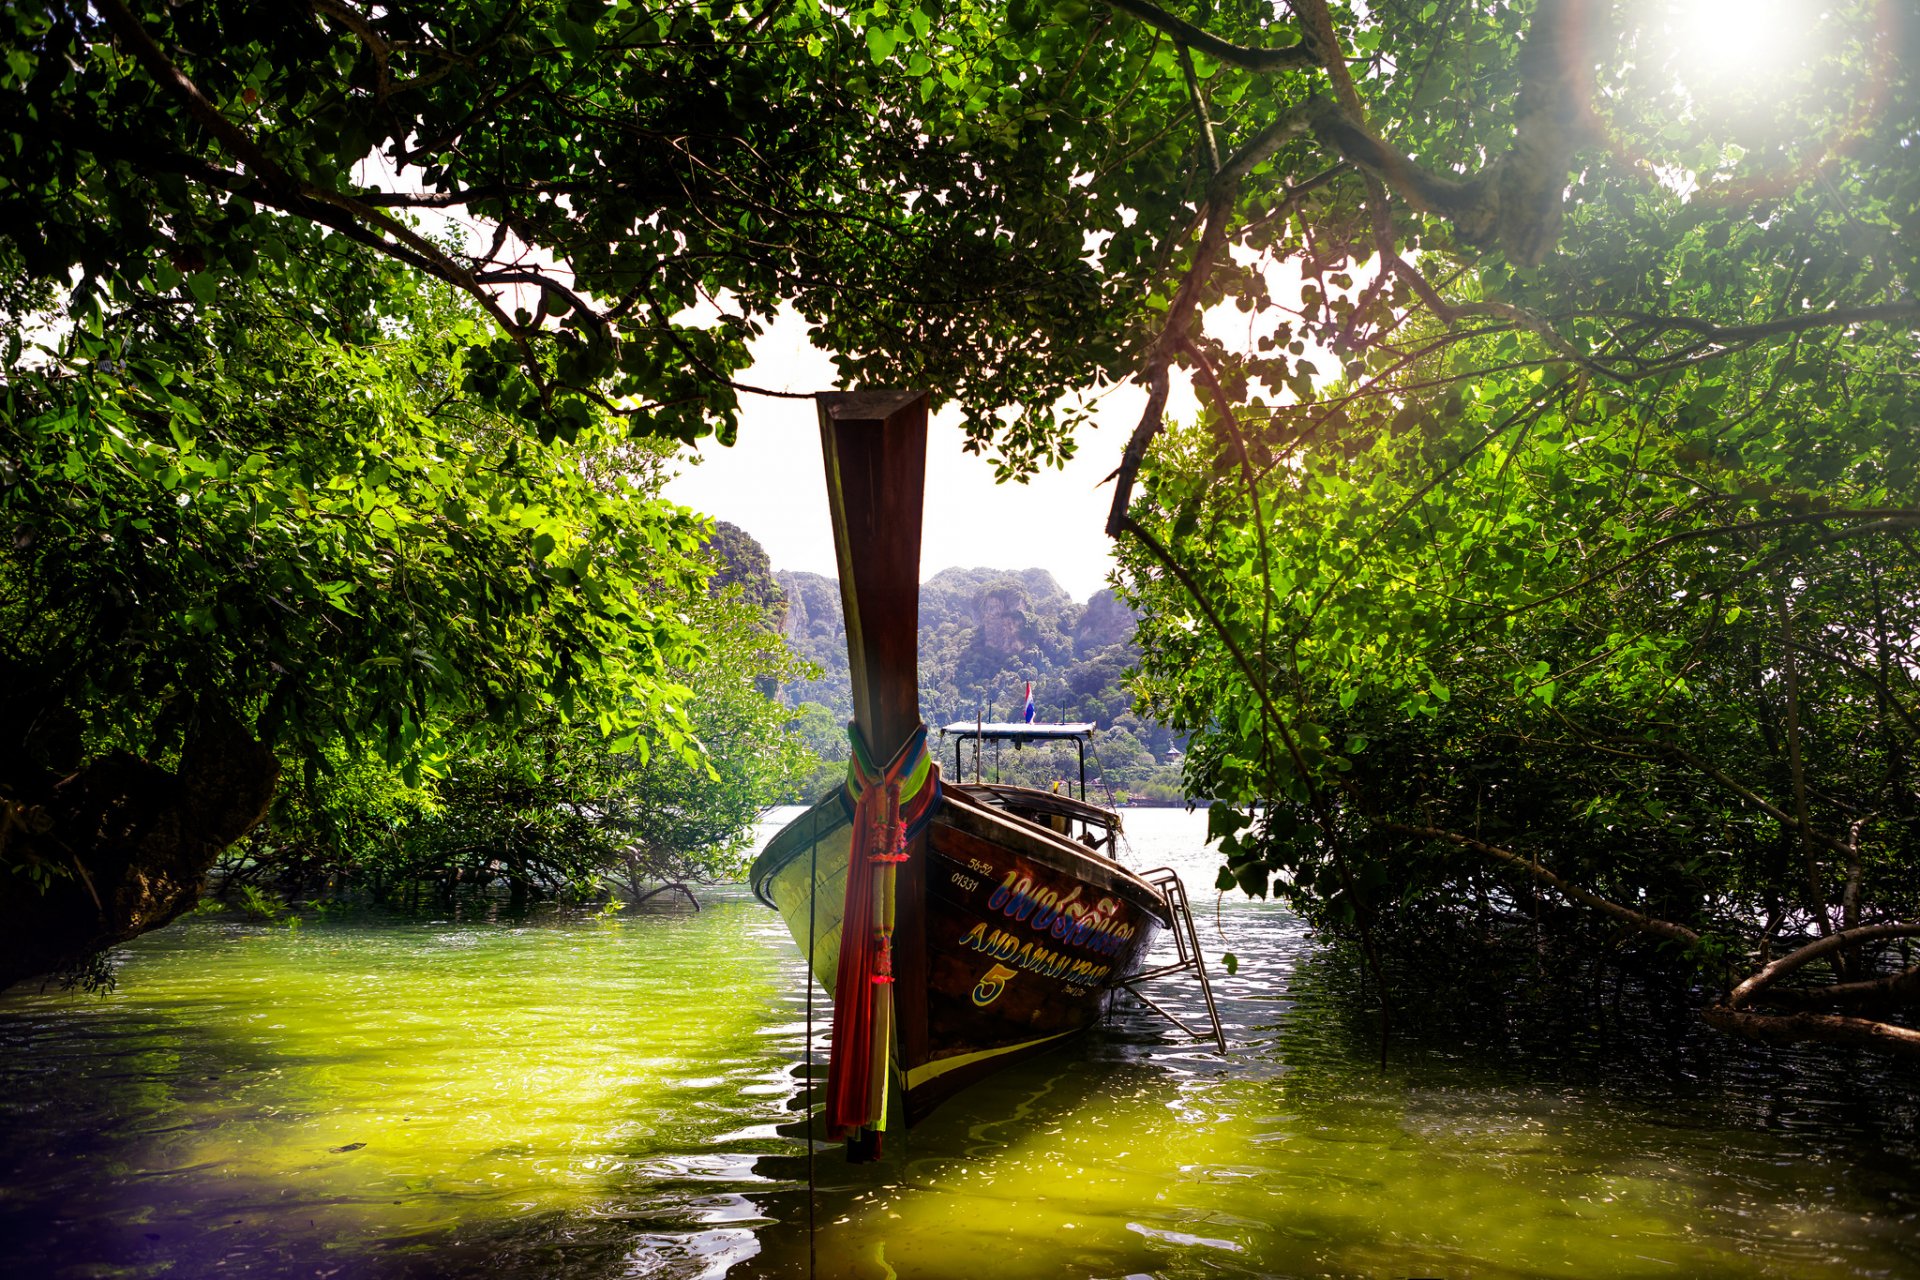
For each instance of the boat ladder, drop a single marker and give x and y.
(1186, 946)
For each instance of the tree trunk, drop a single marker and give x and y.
(1824, 1028)
(1790, 668)
(131, 845)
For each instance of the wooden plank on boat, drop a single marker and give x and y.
(875, 446)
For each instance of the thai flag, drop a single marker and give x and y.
(1027, 714)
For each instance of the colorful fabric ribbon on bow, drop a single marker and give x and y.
(889, 807)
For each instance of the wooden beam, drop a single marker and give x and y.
(875, 445)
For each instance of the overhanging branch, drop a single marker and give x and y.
(1827, 1028)
(1626, 915)
(1288, 57)
(1746, 991)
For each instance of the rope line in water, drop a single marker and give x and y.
(813, 907)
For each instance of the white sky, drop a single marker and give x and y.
(773, 482)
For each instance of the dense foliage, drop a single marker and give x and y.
(692, 166)
(271, 530)
(242, 503)
(549, 808)
(1570, 598)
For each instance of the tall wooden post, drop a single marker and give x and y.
(875, 443)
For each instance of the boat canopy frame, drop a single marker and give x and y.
(1020, 733)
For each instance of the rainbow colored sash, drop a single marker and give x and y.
(889, 807)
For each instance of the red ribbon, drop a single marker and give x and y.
(879, 839)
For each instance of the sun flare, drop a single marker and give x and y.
(1729, 40)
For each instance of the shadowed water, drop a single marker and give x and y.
(595, 1098)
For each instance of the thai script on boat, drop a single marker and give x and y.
(1033, 957)
(1094, 926)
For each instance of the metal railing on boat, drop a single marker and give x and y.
(1186, 946)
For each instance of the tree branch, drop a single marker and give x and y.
(1200, 109)
(1893, 990)
(419, 250)
(1515, 202)
(1881, 519)
(1879, 313)
(1829, 1028)
(377, 47)
(1833, 942)
(1221, 192)
(1751, 797)
(1626, 915)
(1290, 57)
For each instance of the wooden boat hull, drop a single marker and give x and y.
(1009, 940)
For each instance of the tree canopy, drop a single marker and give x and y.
(238, 539)
(1527, 333)
(1576, 562)
(1004, 203)
(677, 171)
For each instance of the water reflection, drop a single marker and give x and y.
(1297, 1157)
(589, 1099)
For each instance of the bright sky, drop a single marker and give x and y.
(772, 483)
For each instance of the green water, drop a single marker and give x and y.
(618, 1098)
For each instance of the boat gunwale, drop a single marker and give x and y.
(1045, 801)
(776, 857)
(773, 859)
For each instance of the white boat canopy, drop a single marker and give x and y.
(995, 731)
(1019, 733)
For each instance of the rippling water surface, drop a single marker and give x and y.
(600, 1098)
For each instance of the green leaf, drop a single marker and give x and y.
(1224, 820)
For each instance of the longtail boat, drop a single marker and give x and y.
(980, 924)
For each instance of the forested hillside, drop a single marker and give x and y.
(983, 634)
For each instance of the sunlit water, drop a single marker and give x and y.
(598, 1098)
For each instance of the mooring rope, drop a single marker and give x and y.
(813, 909)
(1119, 827)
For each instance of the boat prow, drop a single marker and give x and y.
(959, 928)
(1010, 938)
